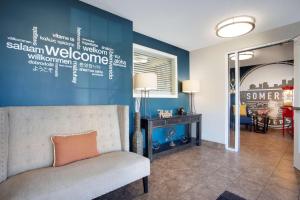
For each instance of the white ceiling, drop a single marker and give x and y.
(272, 54)
(190, 24)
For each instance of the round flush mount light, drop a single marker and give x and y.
(243, 55)
(235, 26)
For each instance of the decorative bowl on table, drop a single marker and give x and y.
(155, 145)
(184, 139)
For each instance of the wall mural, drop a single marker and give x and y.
(77, 55)
(261, 89)
(49, 53)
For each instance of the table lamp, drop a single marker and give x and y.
(191, 87)
(145, 82)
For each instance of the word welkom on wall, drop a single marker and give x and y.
(50, 53)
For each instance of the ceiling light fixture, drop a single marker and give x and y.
(235, 26)
(243, 55)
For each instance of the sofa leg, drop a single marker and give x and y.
(145, 184)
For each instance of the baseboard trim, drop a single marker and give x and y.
(212, 144)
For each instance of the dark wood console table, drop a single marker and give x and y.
(149, 124)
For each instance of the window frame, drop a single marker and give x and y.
(154, 94)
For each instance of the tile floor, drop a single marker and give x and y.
(262, 170)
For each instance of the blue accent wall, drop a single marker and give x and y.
(21, 85)
(27, 81)
(183, 74)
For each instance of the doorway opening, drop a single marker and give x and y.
(261, 80)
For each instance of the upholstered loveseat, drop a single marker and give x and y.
(26, 153)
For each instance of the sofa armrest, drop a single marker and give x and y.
(4, 131)
(123, 115)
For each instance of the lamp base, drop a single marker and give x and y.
(191, 113)
(192, 106)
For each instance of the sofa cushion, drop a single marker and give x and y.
(124, 126)
(71, 148)
(3, 144)
(31, 128)
(246, 120)
(85, 179)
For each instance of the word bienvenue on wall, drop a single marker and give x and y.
(79, 54)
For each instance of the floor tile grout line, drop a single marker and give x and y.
(281, 157)
(264, 162)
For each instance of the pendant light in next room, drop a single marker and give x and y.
(243, 55)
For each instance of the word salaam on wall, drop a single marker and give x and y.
(47, 54)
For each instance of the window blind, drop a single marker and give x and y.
(164, 65)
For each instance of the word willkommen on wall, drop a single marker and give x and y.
(50, 53)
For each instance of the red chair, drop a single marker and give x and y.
(287, 112)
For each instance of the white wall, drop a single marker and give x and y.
(208, 66)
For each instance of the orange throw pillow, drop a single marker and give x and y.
(71, 148)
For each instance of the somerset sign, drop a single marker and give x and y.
(261, 89)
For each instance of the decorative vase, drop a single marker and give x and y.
(137, 141)
(170, 137)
